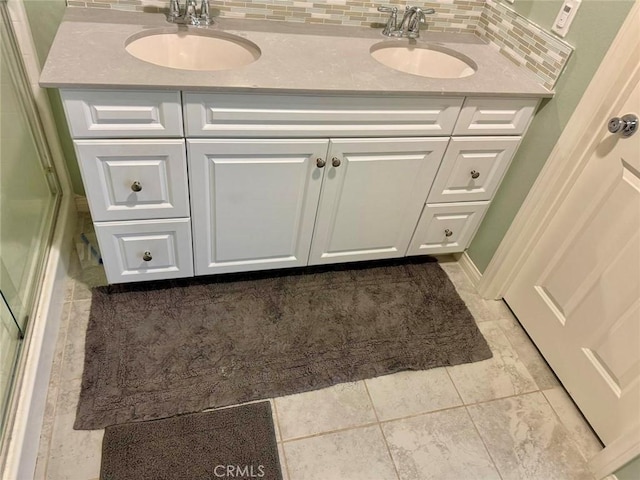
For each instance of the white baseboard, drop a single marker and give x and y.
(34, 369)
(470, 268)
(82, 206)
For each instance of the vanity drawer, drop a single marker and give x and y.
(472, 168)
(292, 116)
(495, 116)
(121, 114)
(134, 179)
(146, 250)
(446, 227)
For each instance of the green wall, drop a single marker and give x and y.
(44, 17)
(631, 471)
(593, 29)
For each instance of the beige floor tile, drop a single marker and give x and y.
(68, 395)
(74, 454)
(86, 280)
(502, 375)
(52, 395)
(341, 406)
(526, 441)
(529, 354)
(357, 454)
(439, 446)
(572, 419)
(410, 393)
(73, 360)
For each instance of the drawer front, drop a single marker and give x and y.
(495, 116)
(472, 168)
(146, 250)
(257, 115)
(134, 179)
(123, 114)
(446, 227)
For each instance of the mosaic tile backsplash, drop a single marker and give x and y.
(514, 36)
(523, 42)
(452, 15)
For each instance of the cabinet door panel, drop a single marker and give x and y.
(134, 179)
(446, 227)
(290, 116)
(495, 116)
(472, 168)
(145, 250)
(254, 202)
(370, 204)
(123, 113)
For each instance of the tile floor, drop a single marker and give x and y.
(503, 418)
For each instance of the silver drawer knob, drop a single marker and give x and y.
(136, 186)
(146, 256)
(474, 174)
(448, 233)
(335, 161)
(320, 162)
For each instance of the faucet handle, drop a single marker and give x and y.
(391, 28)
(174, 9)
(205, 15)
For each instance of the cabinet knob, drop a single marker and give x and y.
(136, 186)
(320, 162)
(335, 161)
(146, 256)
(448, 233)
(474, 174)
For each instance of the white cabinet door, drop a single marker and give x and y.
(446, 227)
(472, 168)
(253, 202)
(134, 179)
(298, 116)
(123, 113)
(145, 249)
(495, 116)
(372, 200)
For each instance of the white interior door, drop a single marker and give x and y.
(578, 294)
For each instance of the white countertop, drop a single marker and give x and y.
(89, 52)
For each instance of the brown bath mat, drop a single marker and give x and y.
(237, 442)
(154, 350)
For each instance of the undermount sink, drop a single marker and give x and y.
(193, 50)
(426, 61)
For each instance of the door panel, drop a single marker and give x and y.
(578, 294)
(134, 179)
(253, 202)
(371, 202)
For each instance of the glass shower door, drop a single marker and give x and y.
(29, 196)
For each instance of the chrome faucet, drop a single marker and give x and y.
(410, 23)
(391, 28)
(190, 14)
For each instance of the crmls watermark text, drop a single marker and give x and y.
(238, 471)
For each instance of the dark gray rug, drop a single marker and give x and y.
(237, 442)
(155, 350)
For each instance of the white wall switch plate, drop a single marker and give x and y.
(565, 16)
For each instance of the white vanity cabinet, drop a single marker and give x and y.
(202, 183)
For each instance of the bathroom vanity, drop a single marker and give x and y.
(272, 166)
